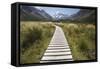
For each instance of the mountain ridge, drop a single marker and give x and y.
(28, 13)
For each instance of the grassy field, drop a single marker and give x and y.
(81, 38)
(34, 39)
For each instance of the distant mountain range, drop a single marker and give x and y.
(61, 16)
(29, 13)
(84, 15)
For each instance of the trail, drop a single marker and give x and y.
(58, 50)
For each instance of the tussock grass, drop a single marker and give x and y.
(34, 39)
(81, 38)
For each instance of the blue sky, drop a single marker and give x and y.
(55, 10)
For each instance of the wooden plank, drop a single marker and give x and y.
(58, 50)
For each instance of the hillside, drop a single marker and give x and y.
(84, 15)
(29, 13)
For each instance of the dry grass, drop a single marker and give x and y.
(34, 39)
(81, 38)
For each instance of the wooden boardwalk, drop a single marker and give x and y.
(58, 50)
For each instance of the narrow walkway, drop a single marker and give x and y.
(58, 49)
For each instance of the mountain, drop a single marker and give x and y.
(29, 13)
(84, 15)
(61, 16)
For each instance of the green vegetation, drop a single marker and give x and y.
(34, 39)
(81, 38)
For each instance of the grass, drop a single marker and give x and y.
(81, 38)
(34, 40)
(35, 37)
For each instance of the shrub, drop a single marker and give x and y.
(34, 39)
(32, 35)
(81, 40)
